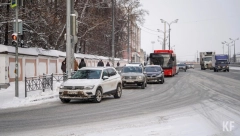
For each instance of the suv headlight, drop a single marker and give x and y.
(140, 77)
(89, 87)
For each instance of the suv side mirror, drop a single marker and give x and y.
(105, 77)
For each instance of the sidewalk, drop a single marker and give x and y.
(8, 99)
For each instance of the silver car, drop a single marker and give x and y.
(133, 75)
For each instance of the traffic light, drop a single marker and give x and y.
(14, 39)
(13, 3)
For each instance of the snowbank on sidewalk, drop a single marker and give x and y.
(8, 99)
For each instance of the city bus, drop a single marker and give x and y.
(166, 59)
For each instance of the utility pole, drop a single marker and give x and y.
(113, 33)
(164, 39)
(223, 48)
(16, 52)
(169, 38)
(72, 43)
(234, 55)
(6, 29)
(68, 43)
(128, 37)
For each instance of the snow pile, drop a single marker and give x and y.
(8, 99)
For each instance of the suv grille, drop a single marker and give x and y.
(73, 87)
(130, 77)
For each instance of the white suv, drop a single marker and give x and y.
(91, 83)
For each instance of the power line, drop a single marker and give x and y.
(148, 28)
(150, 33)
(199, 21)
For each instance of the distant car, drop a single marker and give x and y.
(182, 67)
(190, 66)
(154, 73)
(133, 75)
(91, 83)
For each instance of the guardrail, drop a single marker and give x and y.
(234, 64)
(42, 82)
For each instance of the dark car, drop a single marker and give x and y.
(154, 73)
(182, 67)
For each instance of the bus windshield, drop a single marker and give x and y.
(164, 60)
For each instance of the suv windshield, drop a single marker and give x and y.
(87, 74)
(132, 69)
(152, 69)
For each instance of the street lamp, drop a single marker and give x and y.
(169, 24)
(223, 45)
(234, 56)
(229, 51)
(164, 39)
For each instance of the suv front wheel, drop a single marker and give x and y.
(118, 93)
(98, 96)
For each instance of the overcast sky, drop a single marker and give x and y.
(202, 25)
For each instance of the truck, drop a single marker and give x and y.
(206, 60)
(220, 62)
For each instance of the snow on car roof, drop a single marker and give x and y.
(152, 66)
(95, 68)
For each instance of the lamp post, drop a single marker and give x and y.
(229, 51)
(234, 55)
(169, 24)
(164, 38)
(223, 45)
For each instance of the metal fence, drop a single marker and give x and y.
(42, 82)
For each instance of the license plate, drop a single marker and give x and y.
(130, 81)
(71, 92)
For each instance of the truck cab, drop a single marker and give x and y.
(206, 60)
(220, 63)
